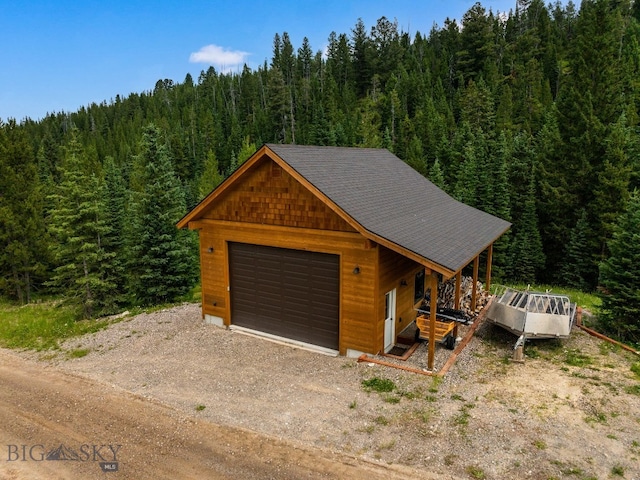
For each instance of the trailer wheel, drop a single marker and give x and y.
(416, 336)
(450, 342)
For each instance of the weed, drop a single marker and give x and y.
(391, 399)
(431, 398)
(423, 415)
(353, 404)
(612, 436)
(381, 420)
(78, 353)
(635, 368)
(367, 429)
(462, 418)
(408, 395)
(540, 444)
(572, 471)
(449, 459)
(456, 396)
(597, 417)
(633, 390)
(435, 384)
(476, 472)
(199, 408)
(377, 384)
(606, 348)
(533, 352)
(388, 445)
(617, 470)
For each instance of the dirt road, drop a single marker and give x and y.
(60, 426)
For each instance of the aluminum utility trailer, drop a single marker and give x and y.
(532, 315)
(446, 319)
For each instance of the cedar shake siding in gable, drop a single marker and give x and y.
(271, 196)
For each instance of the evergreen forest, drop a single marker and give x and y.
(531, 115)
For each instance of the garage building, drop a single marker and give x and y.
(331, 247)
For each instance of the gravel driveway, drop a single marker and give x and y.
(572, 410)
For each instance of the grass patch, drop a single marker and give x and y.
(391, 399)
(387, 446)
(380, 385)
(42, 326)
(78, 353)
(540, 444)
(617, 470)
(381, 420)
(575, 358)
(635, 368)
(633, 390)
(435, 384)
(476, 472)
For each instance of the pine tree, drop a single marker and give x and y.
(77, 225)
(161, 258)
(578, 267)
(114, 197)
(436, 175)
(620, 277)
(23, 256)
(527, 257)
(211, 177)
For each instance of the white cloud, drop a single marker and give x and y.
(215, 55)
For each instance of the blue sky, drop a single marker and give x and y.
(60, 55)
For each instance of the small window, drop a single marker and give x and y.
(419, 287)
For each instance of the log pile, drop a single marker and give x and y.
(447, 295)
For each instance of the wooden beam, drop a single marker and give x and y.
(489, 262)
(433, 310)
(474, 289)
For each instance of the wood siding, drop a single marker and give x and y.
(269, 195)
(394, 268)
(358, 329)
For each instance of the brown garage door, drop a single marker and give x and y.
(290, 293)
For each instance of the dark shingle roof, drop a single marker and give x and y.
(391, 200)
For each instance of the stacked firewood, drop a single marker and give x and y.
(447, 295)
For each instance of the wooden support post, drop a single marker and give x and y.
(474, 287)
(456, 299)
(433, 310)
(487, 283)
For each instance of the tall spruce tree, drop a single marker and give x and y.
(578, 266)
(527, 257)
(77, 225)
(162, 264)
(115, 199)
(620, 277)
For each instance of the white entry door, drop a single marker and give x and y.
(390, 320)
